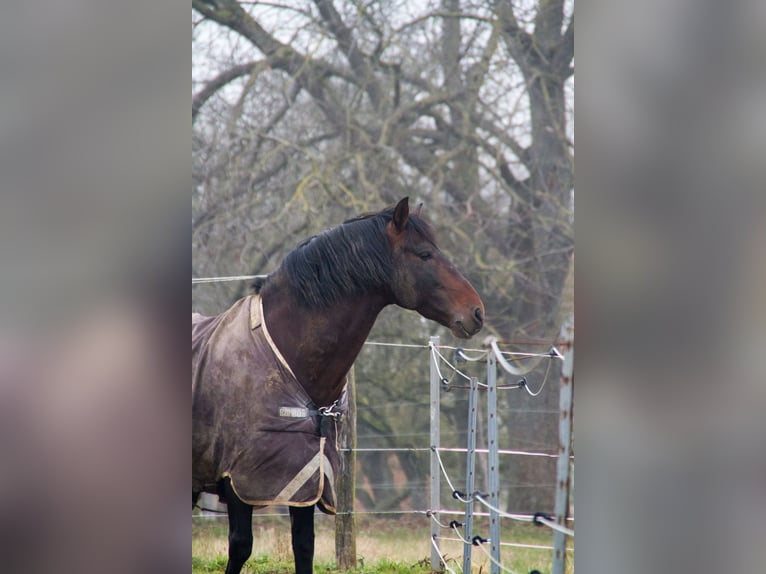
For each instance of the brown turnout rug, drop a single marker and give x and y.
(252, 420)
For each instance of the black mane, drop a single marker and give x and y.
(347, 260)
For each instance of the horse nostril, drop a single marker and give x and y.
(478, 315)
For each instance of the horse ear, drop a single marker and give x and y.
(417, 209)
(401, 214)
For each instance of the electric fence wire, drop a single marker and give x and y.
(435, 351)
(519, 371)
(432, 515)
(452, 449)
(492, 559)
(537, 518)
(200, 280)
(441, 556)
(479, 542)
(460, 352)
(455, 492)
(521, 384)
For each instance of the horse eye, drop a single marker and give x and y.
(425, 256)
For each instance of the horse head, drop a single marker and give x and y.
(425, 280)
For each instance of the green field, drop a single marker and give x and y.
(384, 546)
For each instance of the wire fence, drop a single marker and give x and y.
(514, 363)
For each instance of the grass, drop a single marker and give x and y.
(384, 546)
(265, 565)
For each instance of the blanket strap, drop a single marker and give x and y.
(328, 416)
(304, 412)
(257, 319)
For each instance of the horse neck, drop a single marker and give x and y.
(320, 345)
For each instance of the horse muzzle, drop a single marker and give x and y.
(466, 327)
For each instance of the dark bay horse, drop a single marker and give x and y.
(319, 305)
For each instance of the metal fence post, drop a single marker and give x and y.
(470, 475)
(494, 462)
(435, 443)
(563, 480)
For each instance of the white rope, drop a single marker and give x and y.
(529, 355)
(423, 512)
(532, 546)
(556, 352)
(503, 568)
(451, 366)
(484, 352)
(526, 518)
(406, 345)
(460, 512)
(432, 515)
(403, 449)
(520, 517)
(511, 544)
(500, 451)
(454, 527)
(198, 280)
(540, 390)
(479, 383)
(479, 357)
(438, 370)
(542, 386)
(449, 538)
(441, 557)
(520, 372)
(449, 482)
(556, 526)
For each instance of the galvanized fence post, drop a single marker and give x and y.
(435, 443)
(494, 462)
(563, 480)
(470, 468)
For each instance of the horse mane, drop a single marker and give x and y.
(347, 260)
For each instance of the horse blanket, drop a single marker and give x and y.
(252, 420)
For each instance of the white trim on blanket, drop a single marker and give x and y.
(257, 319)
(320, 463)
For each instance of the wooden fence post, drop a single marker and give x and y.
(345, 524)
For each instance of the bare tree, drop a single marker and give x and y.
(307, 112)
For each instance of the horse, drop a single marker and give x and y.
(269, 373)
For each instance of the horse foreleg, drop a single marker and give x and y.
(240, 529)
(302, 530)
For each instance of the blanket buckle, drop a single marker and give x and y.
(330, 411)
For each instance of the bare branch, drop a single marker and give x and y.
(309, 72)
(478, 72)
(516, 38)
(218, 82)
(360, 63)
(278, 116)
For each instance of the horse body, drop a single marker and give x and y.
(320, 306)
(253, 422)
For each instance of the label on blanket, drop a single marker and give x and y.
(293, 412)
